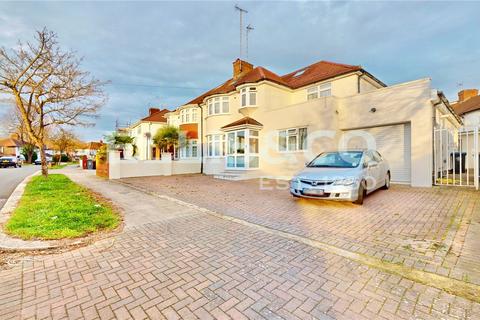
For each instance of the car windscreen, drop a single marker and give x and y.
(343, 159)
(7, 158)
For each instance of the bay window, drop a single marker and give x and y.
(248, 96)
(242, 149)
(294, 139)
(188, 115)
(218, 105)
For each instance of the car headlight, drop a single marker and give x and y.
(295, 183)
(346, 181)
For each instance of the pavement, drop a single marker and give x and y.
(178, 261)
(11, 177)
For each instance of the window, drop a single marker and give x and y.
(293, 139)
(242, 149)
(249, 96)
(190, 150)
(323, 90)
(215, 145)
(188, 115)
(194, 115)
(218, 105)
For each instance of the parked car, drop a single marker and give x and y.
(11, 161)
(39, 161)
(342, 175)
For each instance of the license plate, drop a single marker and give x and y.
(6, 161)
(313, 192)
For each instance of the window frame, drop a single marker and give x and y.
(223, 105)
(246, 97)
(300, 145)
(319, 91)
(212, 139)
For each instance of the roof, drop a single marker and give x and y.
(467, 106)
(10, 142)
(94, 145)
(243, 121)
(316, 72)
(158, 116)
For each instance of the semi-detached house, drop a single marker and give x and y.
(258, 123)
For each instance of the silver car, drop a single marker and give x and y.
(342, 175)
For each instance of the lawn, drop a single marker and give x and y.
(56, 208)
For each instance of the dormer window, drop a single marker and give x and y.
(249, 96)
(323, 90)
(218, 105)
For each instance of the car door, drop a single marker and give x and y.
(382, 168)
(373, 174)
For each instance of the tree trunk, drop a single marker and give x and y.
(29, 156)
(43, 157)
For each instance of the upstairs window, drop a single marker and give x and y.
(249, 96)
(323, 90)
(294, 139)
(188, 115)
(218, 105)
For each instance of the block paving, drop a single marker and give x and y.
(192, 265)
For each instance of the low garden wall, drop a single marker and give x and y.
(143, 168)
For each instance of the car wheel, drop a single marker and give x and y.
(361, 193)
(387, 181)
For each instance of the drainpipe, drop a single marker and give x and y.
(201, 139)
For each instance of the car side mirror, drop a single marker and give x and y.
(365, 165)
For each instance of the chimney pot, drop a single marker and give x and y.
(467, 94)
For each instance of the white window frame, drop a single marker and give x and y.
(223, 104)
(293, 132)
(214, 140)
(248, 96)
(319, 91)
(186, 152)
(247, 154)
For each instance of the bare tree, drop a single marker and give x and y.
(64, 141)
(49, 87)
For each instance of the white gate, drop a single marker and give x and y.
(456, 157)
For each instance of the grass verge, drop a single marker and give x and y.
(57, 208)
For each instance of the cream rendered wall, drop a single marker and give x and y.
(405, 103)
(143, 143)
(472, 118)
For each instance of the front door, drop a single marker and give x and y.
(242, 149)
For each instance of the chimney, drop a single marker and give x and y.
(152, 111)
(467, 94)
(240, 68)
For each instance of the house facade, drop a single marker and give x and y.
(260, 124)
(143, 132)
(468, 107)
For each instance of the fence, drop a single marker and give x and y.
(456, 157)
(144, 168)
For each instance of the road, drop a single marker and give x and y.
(10, 178)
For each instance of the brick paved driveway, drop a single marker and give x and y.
(418, 227)
(192, 265)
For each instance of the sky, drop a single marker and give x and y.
(166, 53)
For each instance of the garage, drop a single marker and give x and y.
(393, 143)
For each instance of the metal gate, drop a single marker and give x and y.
(456, 157)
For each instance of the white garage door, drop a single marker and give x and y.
(393, 143)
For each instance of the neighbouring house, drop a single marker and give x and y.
(88, 149)
(10, 146)
(144, 130)
(468, 107)
(258, 123)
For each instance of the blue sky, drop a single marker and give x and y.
(166, 53)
